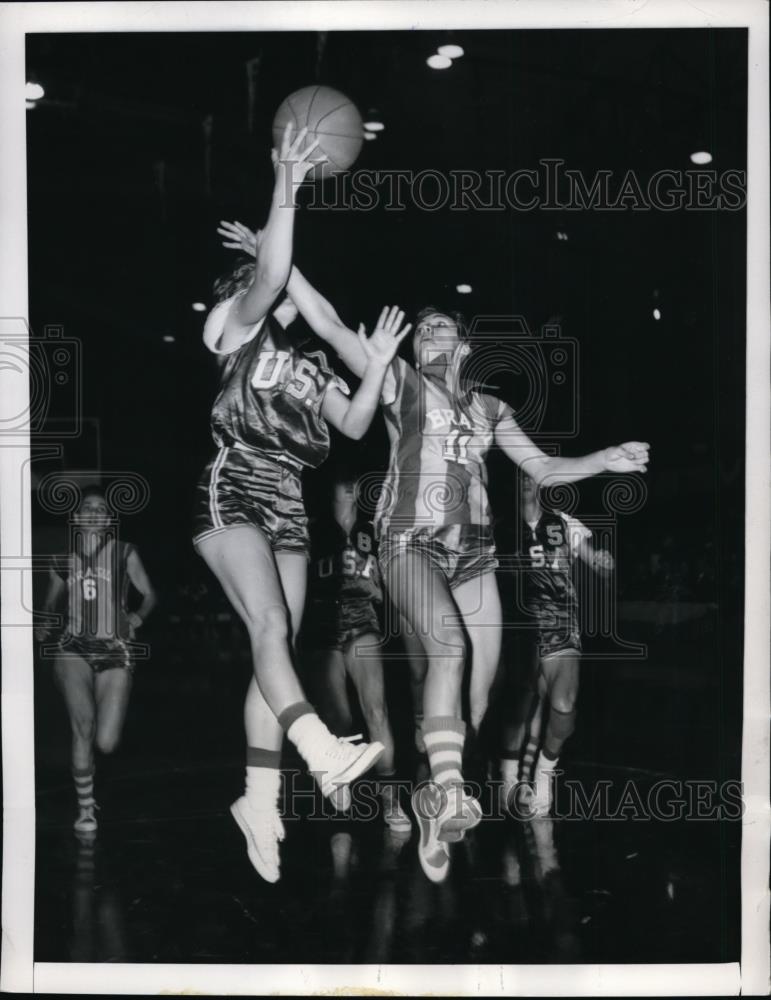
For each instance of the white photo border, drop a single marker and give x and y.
(19, 973)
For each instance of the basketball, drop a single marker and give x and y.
(330, 117)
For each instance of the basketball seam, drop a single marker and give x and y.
(291, 108)
(331, 112)
(310, 107)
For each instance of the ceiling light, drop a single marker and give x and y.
(657, 314)
(701, 158)
(168, 339)
(374, 126)
(450, 51)
(369, 136)
(30, 105)
(463, 289)
(439, 62)
(199, 307)
(33, 91)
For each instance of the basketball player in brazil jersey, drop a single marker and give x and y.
(268, 422)
(434, 530)
(93, 665)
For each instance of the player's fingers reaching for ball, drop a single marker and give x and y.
(395, 319)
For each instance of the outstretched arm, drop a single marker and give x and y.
(274, 261)
(139, 578)
(322, 318)
(353, 417)
(600, 560)
(548, 470)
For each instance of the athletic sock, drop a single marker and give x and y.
(304, 728)
(444, 736)
(509, 762)
(528, 757)
(84, 786)
(263, 777)
(546, 762)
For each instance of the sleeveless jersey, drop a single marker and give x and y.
(548, 550)
(436, 471)
(271, 394)
(97, 590)
(344, 567)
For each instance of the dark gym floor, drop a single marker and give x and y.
(166, 879)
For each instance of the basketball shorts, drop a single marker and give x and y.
(557, 624)
(460, 551)
(244, 487)
(335, 625)
(99, 654)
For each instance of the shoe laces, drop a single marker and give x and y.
(343, 746)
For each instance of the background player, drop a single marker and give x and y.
(434, 530)
(345, 634)
(93, 665)
(269, 421)
(549, 543)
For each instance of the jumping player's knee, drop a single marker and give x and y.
(107, 742)
(563, 700)
(562, 722)
(270, 624)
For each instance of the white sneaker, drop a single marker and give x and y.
(459, 812)
(434, 854)
(541, 802)
(338, 761)
(264, 831)
(396, 818)
(86, 821)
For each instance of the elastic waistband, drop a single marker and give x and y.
(266, 456)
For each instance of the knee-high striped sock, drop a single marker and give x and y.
(84, 786)
(263, 777)
(444, 736)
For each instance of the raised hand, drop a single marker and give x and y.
(603, 561)
(292, 161)
(382, 346)
(630, 457)
(237, 236)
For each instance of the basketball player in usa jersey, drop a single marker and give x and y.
(343, 634)
(94, 664)
(550, 542)
(269, 421)
(435, 535)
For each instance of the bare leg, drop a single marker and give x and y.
(366, 672)
(332, 690)
(113, 690)
(480, 604)
(75, 680)
(243, 562)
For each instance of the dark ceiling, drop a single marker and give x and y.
(144, 141)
